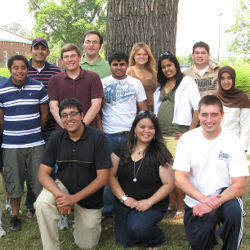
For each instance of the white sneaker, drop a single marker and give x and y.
(63, 223)
(8, 208)
(2, 232)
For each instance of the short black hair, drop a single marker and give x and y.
(17, 58)
(210, 100)
(202, 45)
(94, 32)
(118, 56)
(69, 103)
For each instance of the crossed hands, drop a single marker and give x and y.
(208, 204)
(141, 205)
(64, 203)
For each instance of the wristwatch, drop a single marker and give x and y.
(123, 198)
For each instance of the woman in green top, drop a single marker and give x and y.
(176, 106)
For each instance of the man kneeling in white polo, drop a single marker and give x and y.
(83, 160)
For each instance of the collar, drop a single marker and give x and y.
(213, 66)
(81, 75)
(27, 81)
(83, 137)
(46, 66)
(96, 63)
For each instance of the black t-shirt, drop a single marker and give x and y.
(78, 161)
(148, 180)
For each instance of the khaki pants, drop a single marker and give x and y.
(87, 228)
(170, 143)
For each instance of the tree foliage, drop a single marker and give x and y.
(66, 21)
(18, 29)
(241, 29)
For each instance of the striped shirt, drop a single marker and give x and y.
(21, 108)
(43, 76)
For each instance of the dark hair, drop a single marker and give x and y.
(210, 100)
(162, 79)
(69, 103)
(94, 32)
(68, 47)
(202, 45)
(156, 153)
(118, 56)
(17, 58)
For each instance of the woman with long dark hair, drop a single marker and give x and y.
(176, 106)
(141, 179)
(236, 105)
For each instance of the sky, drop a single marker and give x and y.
(198, 20)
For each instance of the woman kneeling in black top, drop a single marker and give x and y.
(141, 179)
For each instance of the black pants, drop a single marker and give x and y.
(201, 233)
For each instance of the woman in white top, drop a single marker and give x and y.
(236, 105)
(176, 106)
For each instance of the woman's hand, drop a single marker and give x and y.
(143, 205)
(130, 202)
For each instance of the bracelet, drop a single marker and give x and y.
(149, 202)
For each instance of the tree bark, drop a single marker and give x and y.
(151, 21)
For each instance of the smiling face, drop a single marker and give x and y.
(18, 72)
(119, 69)
(39, 53)
(141, 57)
(91, 45)
(72, 119)
(168, 68)
(145, 131)
(226, 81)
(70, 60)
(201, 57)
(210, 118)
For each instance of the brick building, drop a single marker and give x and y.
(11, 44)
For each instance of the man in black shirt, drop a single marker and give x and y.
(83, 160)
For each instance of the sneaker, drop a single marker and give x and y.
(2, 232)
(63, 223)
(8, 207)
(15, 224)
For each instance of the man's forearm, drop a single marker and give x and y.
(55, 112)
(92, 112)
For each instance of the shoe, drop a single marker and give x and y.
(63, 223)
(2, 232)
(15, 224)
(31, 213)
(8, 207)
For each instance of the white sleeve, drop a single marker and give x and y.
(244, 127)
(181, 160)
(193, 94)
(237, 162)
(140, 92)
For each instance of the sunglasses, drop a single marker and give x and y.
(146, 112)
(166, 53)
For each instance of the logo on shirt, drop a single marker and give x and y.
(223, 156)
(118, 92)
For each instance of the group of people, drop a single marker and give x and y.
(123, 138)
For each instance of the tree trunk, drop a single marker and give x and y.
(151, 21)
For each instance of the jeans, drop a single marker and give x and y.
(138, 228)
(108, 198)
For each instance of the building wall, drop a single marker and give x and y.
(8, 49)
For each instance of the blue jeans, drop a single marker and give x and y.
(138, 228)
(108, 198)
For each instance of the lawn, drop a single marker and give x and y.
(4, 72)
(29, 237)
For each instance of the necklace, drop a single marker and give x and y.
(136, 172)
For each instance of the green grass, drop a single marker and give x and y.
(4, 72)
(29, 236)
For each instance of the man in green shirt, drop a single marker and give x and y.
(91, 60)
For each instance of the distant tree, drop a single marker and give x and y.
(65, 21)
(150, 21)
(17, 28)
(241, 29)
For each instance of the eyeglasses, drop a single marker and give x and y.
(166, 53)
(71, 115)
(146, 112)
(74, 56)
(91, 42)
